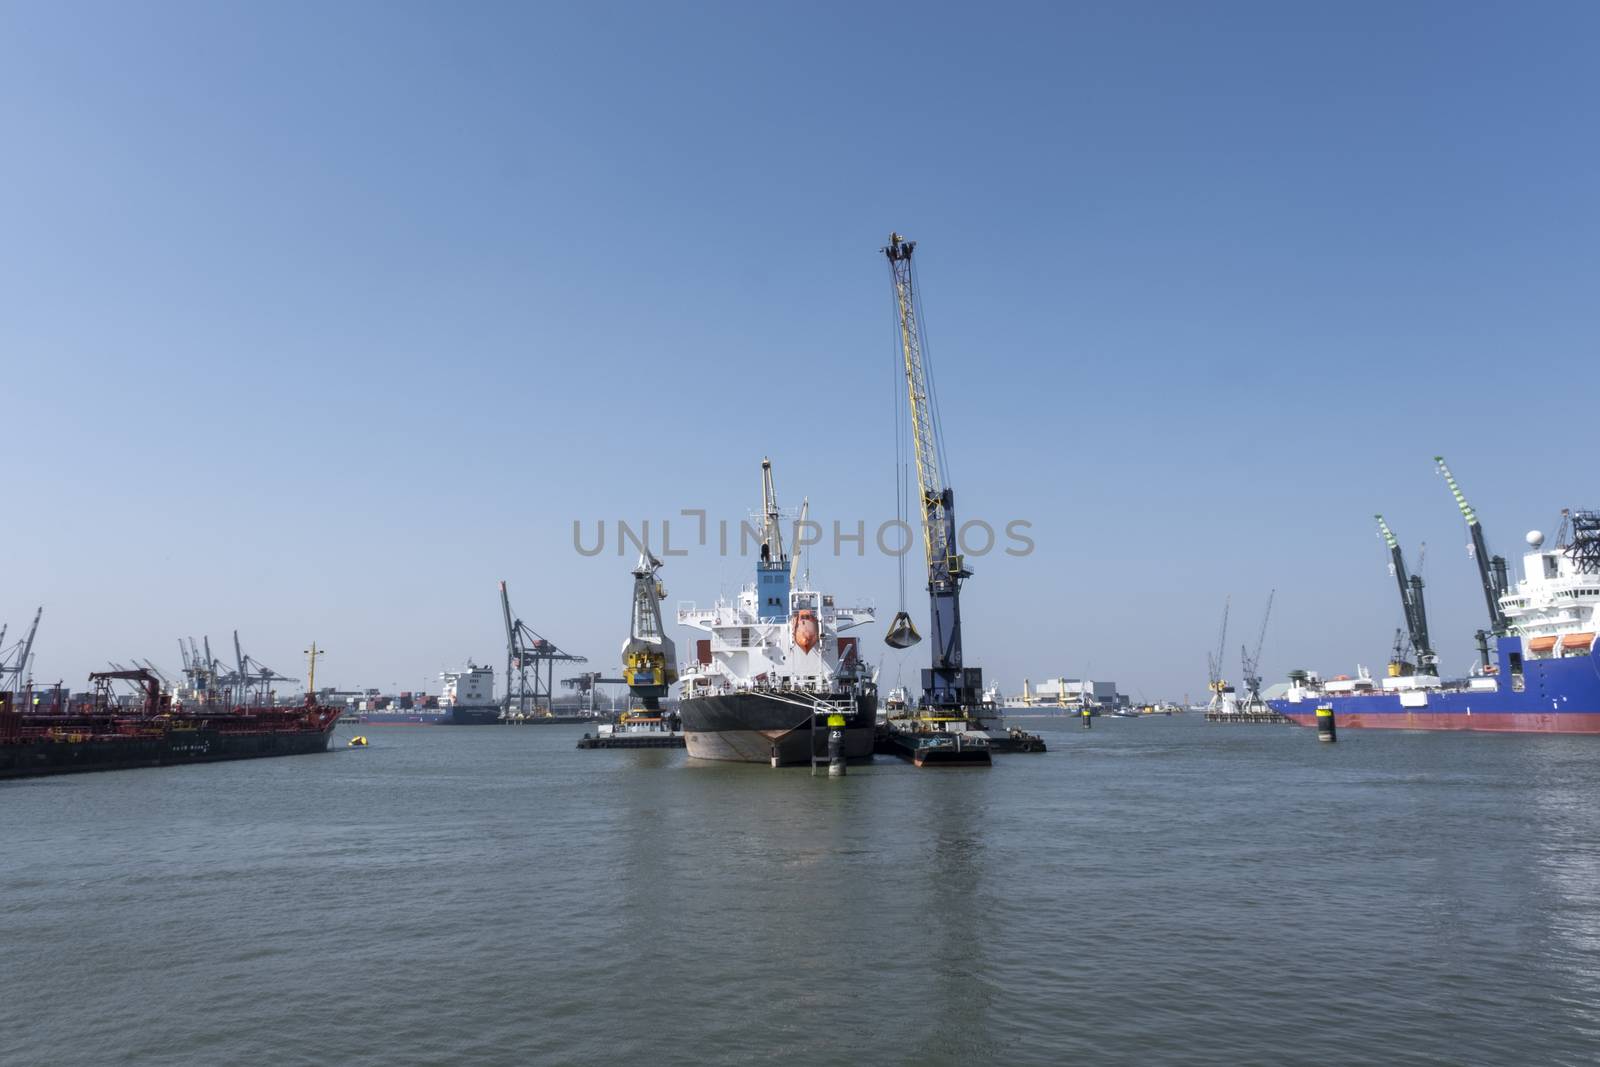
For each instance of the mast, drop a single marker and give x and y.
(1411, 605)
(948, 685)
(311, 671)
(1491, 569)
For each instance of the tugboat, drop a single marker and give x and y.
(775, 665)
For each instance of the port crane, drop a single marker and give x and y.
(17, 667)
(948, 684)
(1250, 663)
(1215, 682)
(1414, 609)
(1491, 569)
(250, 674)
(530, 664)
(649, 658)
(587, 684)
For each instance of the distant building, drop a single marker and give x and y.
(1072, 693)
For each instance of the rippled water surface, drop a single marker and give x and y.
(1152, 891)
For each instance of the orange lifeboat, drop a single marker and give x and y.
(1541, 644)
(804, 629)
(1577, 642)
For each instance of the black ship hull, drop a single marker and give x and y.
(31, 757)
(758, 726)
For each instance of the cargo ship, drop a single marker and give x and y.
(468, 697)
(775, 665)
(99, 734)
(1539, 674)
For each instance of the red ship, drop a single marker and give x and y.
(96, 734)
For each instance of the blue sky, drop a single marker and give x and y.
(318, 320)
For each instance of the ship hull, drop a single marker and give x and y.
(1363, 716)
(35, 756)
(754, 728)
(489, 716)
(1553, 696)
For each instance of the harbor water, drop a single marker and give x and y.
(1149, 891)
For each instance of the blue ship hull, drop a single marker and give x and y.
(1530, 695)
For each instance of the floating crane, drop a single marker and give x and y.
(949, 686)
(649, 658)
(530, 664)
(1251, 662)
(1491, 569)
(1412, 607)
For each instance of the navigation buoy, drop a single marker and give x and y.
(358, 741)
(836, 724)
(1327, 730)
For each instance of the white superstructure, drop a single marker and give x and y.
(1556, 605)
(799, 646)
(472, 687)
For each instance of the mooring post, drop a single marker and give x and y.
(1326, 728)
(835, 745)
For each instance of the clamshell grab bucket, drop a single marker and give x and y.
(902, 634)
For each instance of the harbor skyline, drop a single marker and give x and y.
(325, 322)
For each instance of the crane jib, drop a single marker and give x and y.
(947, 683)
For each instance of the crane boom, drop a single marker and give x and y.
(21, 668)
(1412, 605)
(1222, 644)
(1491, 569)
(948, 684)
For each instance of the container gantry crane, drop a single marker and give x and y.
(530, 664)
(949, 686)
(19, 667)
(1412, 606)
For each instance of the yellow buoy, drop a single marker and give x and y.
(358, 741)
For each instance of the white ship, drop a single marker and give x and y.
(468, 697)
(775, 666)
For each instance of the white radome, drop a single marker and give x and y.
(1535, 539)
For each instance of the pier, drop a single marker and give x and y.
(642, 739)
(1268, 717)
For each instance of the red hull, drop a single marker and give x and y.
(1568, 722)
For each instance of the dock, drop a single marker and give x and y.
(1263, 717)
(930, 748)
(641, 739)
